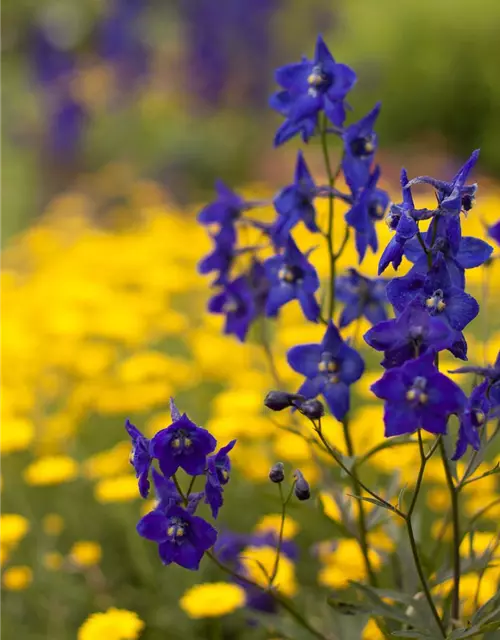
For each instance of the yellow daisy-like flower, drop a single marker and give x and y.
(272, 522)
(51, 470)
(13, 527)
(113, 624)
(86, 553)
(17, 578)
(120, 489)
(346, 563)
(16, 435)
(53, 524)
(212, 600)
(258, 564)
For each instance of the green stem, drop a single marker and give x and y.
(329, 234)
(363, 531)
(277, 597)
(284, 502)
(455, 603)
(190, 487)
(179, 489)
(426, 251)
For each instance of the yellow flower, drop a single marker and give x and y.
(16, 435)
(113, 624)
(346, 563)
(119, 489)
(272, 522)
(372, 632)
(53, 560)
(51, 470)
(212, 600)
(258, 564)
(86, 553)
(13, 527)
(112, 462)
(53, 524)
(17, 578)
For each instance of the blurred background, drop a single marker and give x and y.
(117, 117)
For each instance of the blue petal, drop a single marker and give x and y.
(473, 252)
(399, 420)
(309, 305)
(461, 308)
(337, 399)
(153, 526)
(305, 359)
(352, 365)
(278, 296)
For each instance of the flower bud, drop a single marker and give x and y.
(312, 409)
(277, 473)
(279, 400)
(301, 488)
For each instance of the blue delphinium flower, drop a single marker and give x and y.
(166, 492)
(410, 334)
(473, 417)
(330, 368)
(183, 445)
(306, 126)
(182, 537)
(444, 237)
(417, 396)
(401, 219)
(141, 457)
(493, 232)
(225, 210)
(369, 207)
(222, 256)
(236, 302)
(313, 86)
(454, 196)
(360, 143)
(362, 296)
(295, 203)
(491, 373)
(291, 277)
(218, 468)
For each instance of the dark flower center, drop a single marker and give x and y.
(436, 303)
(363, 146)
(176, 529)
(376, 210)
(393, 217)
(181, 441)
(416, 393)
(291, 274)
(468, 201)
(329, 367)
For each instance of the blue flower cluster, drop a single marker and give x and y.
(432, 309)
(182, 537)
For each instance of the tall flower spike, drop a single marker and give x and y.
(362, 297)
(237, 303)
(418, 396)
(360, 144)
(292, 277)
(472, 419)
(224, 211)
(218, 468)
(140, 458)
(330, 368)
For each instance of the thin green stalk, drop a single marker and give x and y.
(179, 489)
(411, 535)
(190, 487)
(277, 597)
(329, 233)
(284, 503)
(363, 531)
(426, 251)
(455, 603)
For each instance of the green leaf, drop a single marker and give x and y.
(379, 503)
(482, 613)
(346, 608)
(379, 607)
(401, 496)
(412, 633)
(490, 472)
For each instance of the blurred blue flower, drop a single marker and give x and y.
(140, 457)
(217, 475)
(165, 491)
(221, 257)
(291, 277)
(361, 296)
(473, 417)
(182, 537)
(417, 396)
(49, 63)
(410, 334)
(183, 445)
(493, 232)
(330, 368)
(369, 207)
(295, 203)
(453, 196)
(236, 302)
(311, 87)
(67, 119)
(360, 144)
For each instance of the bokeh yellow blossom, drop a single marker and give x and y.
(51, 470)
(212, 600)
(13, 527)
(17, 578)
(113, 624)
(85, 553)
(258, 564)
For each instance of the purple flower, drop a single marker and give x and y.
(182, 537)
(473, 417)
(362, 296)
(183, 445)
(369, 207)
(454, 196)
(417, 396)
(218, 468)
(295, 203)
(224, 211)
(360, 143)
(492, 374)
(330, 368)
(237, 303)
(259, 284)
(310, 87)
(493, 231)
(292, 277)
(410, 334)
(444, 237)
(165, 490)
(222, 256)
(401, 219)
(140, 458)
